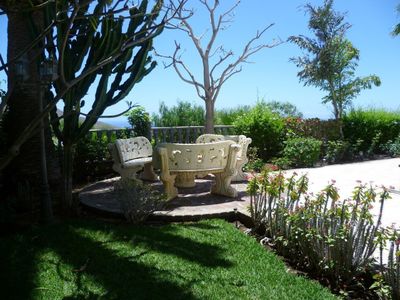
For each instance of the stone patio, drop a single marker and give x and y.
(196, 203)
(190, 205)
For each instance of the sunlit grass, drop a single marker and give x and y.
(205, 260)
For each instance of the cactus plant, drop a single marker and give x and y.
(96, 38)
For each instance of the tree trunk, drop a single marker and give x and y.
(209, 126)
(23, 106)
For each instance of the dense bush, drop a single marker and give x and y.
(255, 164)
(333, 239)
(392, 147)
(183, 114)
(265, 128)
(314, 127)
(337, 151)
(372, 127)
(138, 200)
(302, 152)
(140, 121)
(92, 158)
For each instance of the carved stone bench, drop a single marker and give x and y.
(131, 156)
(182, 162)
(241, 140)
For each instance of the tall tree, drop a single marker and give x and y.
(218, 64)
(330, 59)
(22, 100)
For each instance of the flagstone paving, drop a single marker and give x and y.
(195, 203)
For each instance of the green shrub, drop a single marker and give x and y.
(138, 201)
(283, 163)
(264, 127)
(314, 127)
(302, 152)
(336, 151)
(140, 121)
(374, 127)
(393, 147)
(92, 159)
(254, 164)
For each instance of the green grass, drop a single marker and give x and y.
(93, 260)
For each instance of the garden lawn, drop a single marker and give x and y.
(92, 260)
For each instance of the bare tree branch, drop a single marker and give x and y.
(130, 106)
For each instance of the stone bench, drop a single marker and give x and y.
(180, 163)
(131, 156)
(241, 140)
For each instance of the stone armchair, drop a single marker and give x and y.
(131, 156)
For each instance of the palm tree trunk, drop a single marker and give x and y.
(23, 105)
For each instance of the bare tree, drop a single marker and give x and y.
(216, 71)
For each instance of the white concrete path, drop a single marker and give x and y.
(384, 172)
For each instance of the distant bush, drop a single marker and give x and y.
(373, 127)
(183, 114)
(284, 109)
(227, 116)
(314, 127)
(302, 152)
(264, 127)
(140, 121)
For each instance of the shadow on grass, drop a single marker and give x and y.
(114, 262)
(17, 267)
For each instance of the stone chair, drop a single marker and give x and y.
(241, 140)
(131, 156)
(180, 163)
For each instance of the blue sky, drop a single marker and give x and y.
(271, 76)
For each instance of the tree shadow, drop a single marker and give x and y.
(17, 266)
(123, 276)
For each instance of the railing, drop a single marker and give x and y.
(178, 134)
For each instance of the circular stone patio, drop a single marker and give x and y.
(191, 204)
(195, 203)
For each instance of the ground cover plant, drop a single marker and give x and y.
(93, 260)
